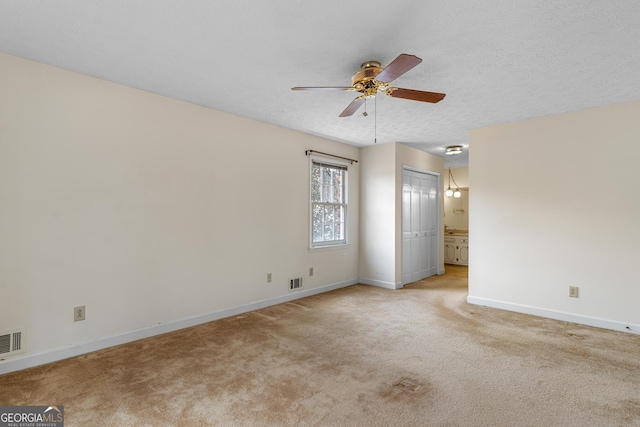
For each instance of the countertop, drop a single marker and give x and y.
(457, 233)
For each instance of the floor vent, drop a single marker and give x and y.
(295, 283)
(11, 342)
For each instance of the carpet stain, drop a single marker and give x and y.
(406, 391)
(406, 384)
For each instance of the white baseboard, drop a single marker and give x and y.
(73, 350)
(557, 315)
(381, 284)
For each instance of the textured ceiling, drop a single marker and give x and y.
(498, 61)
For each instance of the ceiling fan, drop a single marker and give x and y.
(372, 79)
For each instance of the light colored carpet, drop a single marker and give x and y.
(359, 356)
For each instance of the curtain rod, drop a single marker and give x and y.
(330, 155)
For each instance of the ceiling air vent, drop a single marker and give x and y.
(11, 342)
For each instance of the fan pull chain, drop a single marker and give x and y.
(375, 120)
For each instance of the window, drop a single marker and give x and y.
(328, 204)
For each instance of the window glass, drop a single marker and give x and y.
(328, 204)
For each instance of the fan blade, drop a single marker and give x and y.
(398, 67)
(352, 108)
(416, 95)
(323, 88)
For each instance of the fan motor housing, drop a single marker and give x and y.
(368, 72)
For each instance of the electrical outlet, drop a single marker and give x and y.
(268, 277)
(310, 271)
(78, 313)
(573, 291)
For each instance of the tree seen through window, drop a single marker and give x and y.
(328, 204)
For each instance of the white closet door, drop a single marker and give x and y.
(419, 226)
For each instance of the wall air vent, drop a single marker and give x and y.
(295, 283)
(11, 342)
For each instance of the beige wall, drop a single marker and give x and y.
(461, 176)
(555, 204)
(456, 211)
(145, 209)
(377, 224)
(381, 207)
(413, 158)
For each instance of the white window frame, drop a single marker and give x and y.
(345, 204)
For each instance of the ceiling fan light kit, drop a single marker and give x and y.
(372, 79)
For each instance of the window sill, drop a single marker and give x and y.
(329, 248)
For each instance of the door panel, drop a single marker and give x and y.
(416, 247)
(450, 252)
(434, 237)
(406, 260)
(406, 227)
(425, 237)
(406, 212)
(464, 254)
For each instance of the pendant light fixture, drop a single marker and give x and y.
(457, 193)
